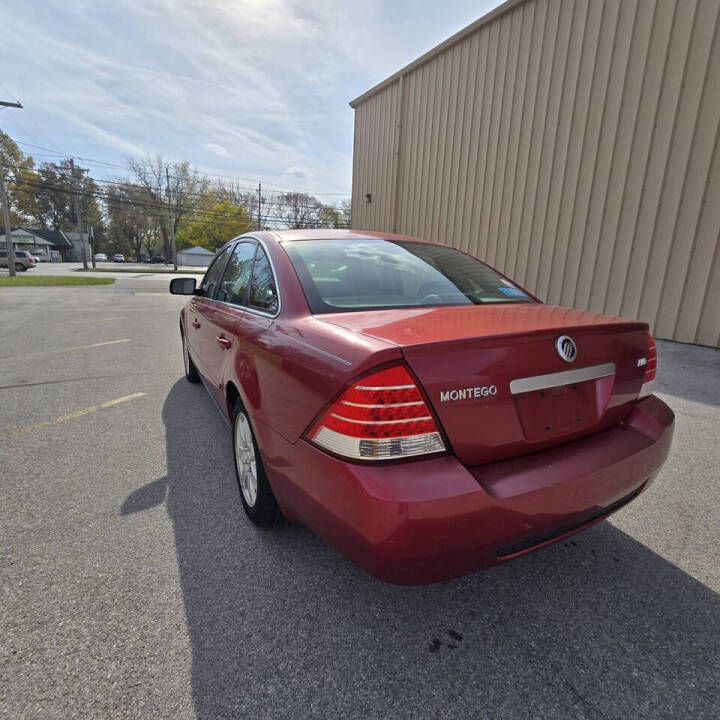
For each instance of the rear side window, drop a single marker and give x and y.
(375, 274)
(237, 274)
(263, 291)
(212, 276)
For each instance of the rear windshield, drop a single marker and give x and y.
(370, 274)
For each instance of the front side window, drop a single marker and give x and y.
(212, 276)
(263, 292)
(237, 274)
(375, 274)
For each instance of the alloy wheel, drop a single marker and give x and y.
(245, 459)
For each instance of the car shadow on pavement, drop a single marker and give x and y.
(281, 625)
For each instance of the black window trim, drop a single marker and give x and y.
(217, 256)
(235, 242)
(253, 308)
(246, 307)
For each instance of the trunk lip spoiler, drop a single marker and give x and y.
(558, 379)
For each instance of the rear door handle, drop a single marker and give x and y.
(195, 324)
(223, 341)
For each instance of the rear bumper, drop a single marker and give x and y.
(435, 519)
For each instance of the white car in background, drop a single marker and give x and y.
(100, 257)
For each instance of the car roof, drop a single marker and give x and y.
(284, 236)
(325, 234)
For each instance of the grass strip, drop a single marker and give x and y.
(163, 271)
(49, 280)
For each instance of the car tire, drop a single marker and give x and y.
(191, 372)
(255, 491)
(20, 267)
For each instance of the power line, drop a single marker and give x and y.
(218, 217)
(27, 111)
(135, 187)
(126, 166)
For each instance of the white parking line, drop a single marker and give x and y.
(70, 349)
(70, 416)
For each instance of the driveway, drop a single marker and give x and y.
(133, 586)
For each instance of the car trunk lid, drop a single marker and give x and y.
(496, 380)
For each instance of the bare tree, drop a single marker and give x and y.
(132, 223)
(299, 210)
(186, 186)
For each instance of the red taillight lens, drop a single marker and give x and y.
(381, 417)
(651, 366)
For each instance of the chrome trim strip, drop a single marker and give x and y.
(380, 422)
(558, 379)
(383, 387)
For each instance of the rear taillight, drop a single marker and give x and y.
(650, 367)
(380, 417)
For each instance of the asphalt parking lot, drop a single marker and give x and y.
(133, 586)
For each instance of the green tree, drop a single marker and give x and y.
(53, 189)
(213, 224)
(19, 176)
(131, 225)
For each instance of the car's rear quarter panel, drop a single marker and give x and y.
(287, 371)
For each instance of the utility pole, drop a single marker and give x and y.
(76, 185)
(172, 219)
(91, 242)
(4, 201)
(259, 218)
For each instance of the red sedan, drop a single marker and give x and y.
(416, 408)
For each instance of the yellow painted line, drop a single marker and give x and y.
(122, 399)
(98, 320)
(70, 349)
(70, 416)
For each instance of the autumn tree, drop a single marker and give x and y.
(213, 224)
(257, 208)
(334, 216)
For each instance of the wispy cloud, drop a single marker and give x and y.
(251, 88)
(216, 149)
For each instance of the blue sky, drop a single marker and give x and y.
(252, 89)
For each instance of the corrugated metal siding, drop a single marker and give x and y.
(570, 143)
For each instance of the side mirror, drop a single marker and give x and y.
(182, 286)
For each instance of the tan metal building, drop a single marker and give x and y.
(573, 144)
